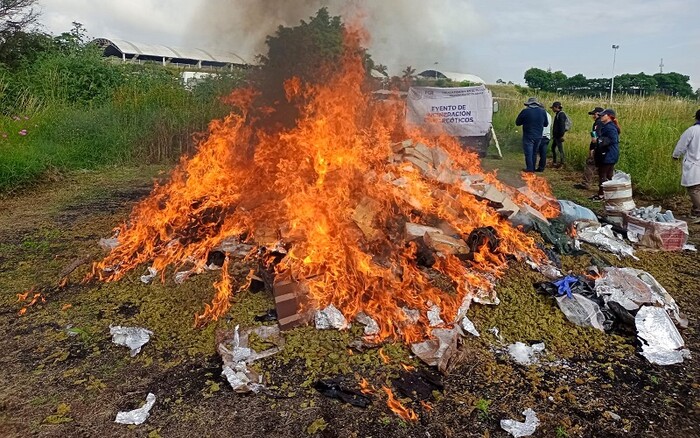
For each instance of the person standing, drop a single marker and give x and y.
(533, 118)
(689, 147)
(558, 131)
(589, 171)
(607, 149)
(544, 144)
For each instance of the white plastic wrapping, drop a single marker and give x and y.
(581, 311)
(525, 354)
(469, 327)
(434, 316)
(137, 416)
(132, 337)
(519, 429)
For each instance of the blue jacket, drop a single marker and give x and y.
(533, 119)
(608, 149)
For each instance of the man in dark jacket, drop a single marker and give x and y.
(558, 131)
(533, 119)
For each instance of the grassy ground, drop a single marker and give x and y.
(62, 376)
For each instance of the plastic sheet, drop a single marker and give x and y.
(519, 429)
(109, 244)
(662, 344)
(137, 416)
(604, 238)
(236, 356)
(525, 354)
(572, 212)
(582, 311)
(132, 337)
(439, 350)
(330, 318)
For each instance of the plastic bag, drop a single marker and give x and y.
(582, 311)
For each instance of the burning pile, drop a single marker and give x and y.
(338, 206)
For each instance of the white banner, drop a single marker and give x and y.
(460, 112)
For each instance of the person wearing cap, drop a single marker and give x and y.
(607, 148)
(590, 170)
(558, 132)
(533, 119)
(689, 147)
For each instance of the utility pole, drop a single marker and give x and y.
(436, 72)
(612, 81)
(661, 66)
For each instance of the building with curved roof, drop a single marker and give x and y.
(167, 55)
(457, 77)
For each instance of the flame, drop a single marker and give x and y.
(366, 387)
(384, 356)
(66, 306)
(22, 311)
(22, 297)
(427, 406)
(305, 185)
(408, 367)
(547, 204)
(398, 408)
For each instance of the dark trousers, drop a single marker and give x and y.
(605, 173)
(558, 145)
(530, 146)
(542, 153)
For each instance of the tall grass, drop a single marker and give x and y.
(146, 117)
(651, 126)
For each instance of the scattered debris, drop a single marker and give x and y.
(151, 273)
(333, 388)
(582, 311)
(132, 337)
(469, 327)
(330, 318)
(494, 331)
(109, 244)
(269, 316)
(604, 238)
(518, 429)
(662, 344)
(439, 350)
(434, 316)
(613, 416)
(371, 326)
(525, 354)
(418, 385)
(137, 416)
(236, 356)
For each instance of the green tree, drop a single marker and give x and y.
(16, 16)
(539, 79)
(674, 84)
(382, 69)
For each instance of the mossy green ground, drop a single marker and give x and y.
(62, 376)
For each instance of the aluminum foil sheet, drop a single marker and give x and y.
(132, 337)
(137, 416)
(662, 344)
(526, 428)
(330, 318)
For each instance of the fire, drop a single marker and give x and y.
(398, 408)
(365, 387)
(302, 186)
(384, 356)
(408, 367)
(545, 200)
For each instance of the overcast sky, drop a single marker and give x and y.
(496, 39)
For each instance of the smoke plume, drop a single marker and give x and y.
(406, 32)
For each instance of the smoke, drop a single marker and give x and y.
(407, 32)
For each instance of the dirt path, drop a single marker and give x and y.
(62, 376)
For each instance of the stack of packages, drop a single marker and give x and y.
(651, 228)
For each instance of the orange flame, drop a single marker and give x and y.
(408, 367)
(427, 406)
(398, 408)
(307, 185)
(384, 356)
(366, 387)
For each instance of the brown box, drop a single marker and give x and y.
(292, 304)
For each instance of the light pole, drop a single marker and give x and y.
(612, 81)
(436, 72)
